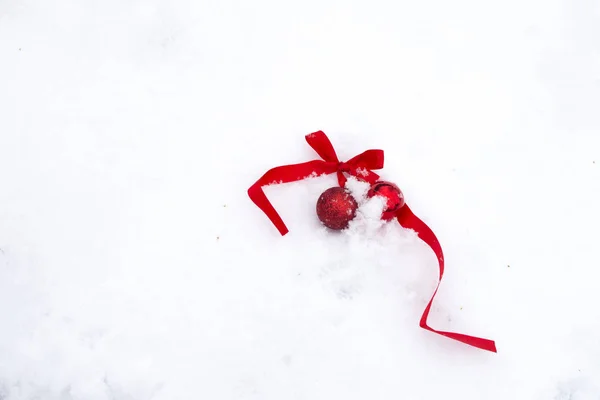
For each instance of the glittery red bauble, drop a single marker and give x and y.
(336, 208)
(392, 194)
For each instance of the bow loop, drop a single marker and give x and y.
(322, 145)
(371, 159)
(361, 165)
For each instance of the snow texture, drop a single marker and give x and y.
(133, 266)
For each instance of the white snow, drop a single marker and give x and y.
(133, 265)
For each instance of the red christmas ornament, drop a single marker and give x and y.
(336, 208)
(392, 194)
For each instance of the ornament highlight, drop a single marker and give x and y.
(336, 208)
(393, 196)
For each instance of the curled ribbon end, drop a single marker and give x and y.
(407, 219)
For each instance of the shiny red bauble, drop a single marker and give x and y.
(336, 208)
(391, 193)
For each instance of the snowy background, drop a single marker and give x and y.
(133, 266)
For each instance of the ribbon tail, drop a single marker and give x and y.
(284, 174)
(341, 179)
(407, 219)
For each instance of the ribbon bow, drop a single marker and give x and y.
(359, 166)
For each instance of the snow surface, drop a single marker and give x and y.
(133, 265)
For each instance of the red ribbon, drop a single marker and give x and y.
(359, 167)
(407, 219)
